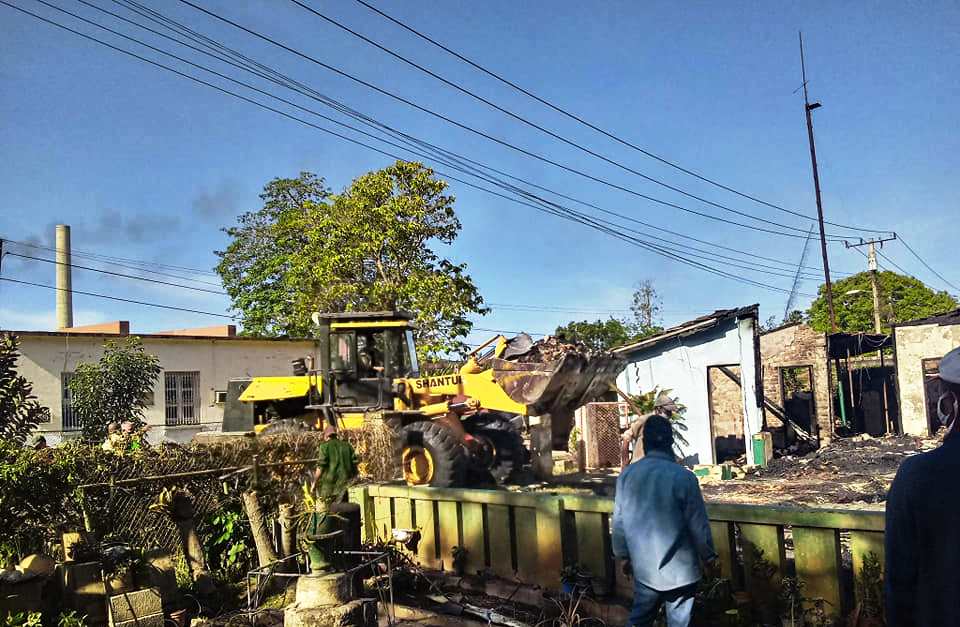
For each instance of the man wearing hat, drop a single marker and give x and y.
(633, 436)
(923, 516)
(336, 465)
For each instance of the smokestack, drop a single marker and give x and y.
(64, 278)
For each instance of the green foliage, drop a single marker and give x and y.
(869, 586)
(600, 335)
(227, 540)
(604, 335)
(902, 298)
(791, 318)
(22, 619)
(71, 619)
(20, 412)
(573, 440)
(678, 421)
(115, 389)
(371, 247)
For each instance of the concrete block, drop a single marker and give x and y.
(131, 606)
(358, 613)
(324, 590)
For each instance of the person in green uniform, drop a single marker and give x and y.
(336, 466)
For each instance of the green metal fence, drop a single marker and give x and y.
(532, 536)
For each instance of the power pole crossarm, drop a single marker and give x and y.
(872, 267)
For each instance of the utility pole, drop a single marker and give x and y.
(872, 267)
(816, 186)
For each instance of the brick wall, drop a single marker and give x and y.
(726, 412)
(797, 345)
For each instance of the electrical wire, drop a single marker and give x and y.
(563, 212)
(534, 125)
(302, 89)
(117, 298)
(596, 128)
(487, 136)
(925, 264)
(120, 274)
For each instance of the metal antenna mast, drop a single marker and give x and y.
(796, 279)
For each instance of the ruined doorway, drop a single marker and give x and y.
(726, 412)
(796, 394)
(932, 389)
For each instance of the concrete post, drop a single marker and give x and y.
(64, 278)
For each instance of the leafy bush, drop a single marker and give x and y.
(227, 540)
(115, 389)
(20, 412)
(22, 619)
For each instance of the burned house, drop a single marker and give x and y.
(920, 345)
(818, 386)
(711, 365)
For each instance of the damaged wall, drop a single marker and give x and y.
(790, 346)
(915, 343)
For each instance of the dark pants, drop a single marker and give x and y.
(678, 604)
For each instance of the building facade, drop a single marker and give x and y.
(711, 366)
(920, 345)
(187, 397)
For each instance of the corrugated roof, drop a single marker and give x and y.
(944, 319)
(697, 325)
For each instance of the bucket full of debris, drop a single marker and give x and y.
(553, 378)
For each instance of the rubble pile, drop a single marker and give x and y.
(859, 454)
(549, 349)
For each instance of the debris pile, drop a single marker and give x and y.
(551, 348)
(855, 455)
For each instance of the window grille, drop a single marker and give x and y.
(182, 392)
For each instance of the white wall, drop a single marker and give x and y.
(914, 344)
(680, 365)
(45, 357)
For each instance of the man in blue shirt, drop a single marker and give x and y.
(660, 528)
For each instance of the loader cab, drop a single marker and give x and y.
(361, 354)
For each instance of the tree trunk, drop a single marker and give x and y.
(183, 517)
(258, 527)
(288, 530)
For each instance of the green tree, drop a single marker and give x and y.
(599, 335)
(115, 389)
(902, 298)
(646, 306)
(371, 247)
(20, 411)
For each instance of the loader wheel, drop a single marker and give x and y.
(430, 454)
(505, 453)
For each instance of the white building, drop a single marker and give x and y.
(189, 393)
(711, 366)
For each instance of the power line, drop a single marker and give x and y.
(120, 274)
(927, 265)
(302, 89)
(528, 122)
(117, 298)
(485, 135)
(144, 266)
(559, 210)
(592, 126)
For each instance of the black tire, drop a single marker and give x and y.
(447, 454)
(509, 453)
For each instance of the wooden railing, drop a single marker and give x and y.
(532, 536)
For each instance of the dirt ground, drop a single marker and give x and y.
(855, 471)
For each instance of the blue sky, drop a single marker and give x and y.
(146, 165)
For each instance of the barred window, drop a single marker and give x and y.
(182, 392)
(68, 418)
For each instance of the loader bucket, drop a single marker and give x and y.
(560, 386)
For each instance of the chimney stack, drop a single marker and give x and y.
(64, 278)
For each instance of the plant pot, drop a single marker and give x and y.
(179, 617)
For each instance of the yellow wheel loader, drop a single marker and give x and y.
(448, 427)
